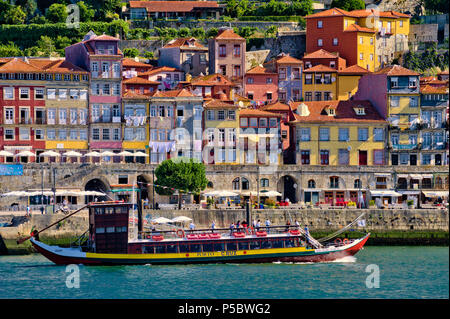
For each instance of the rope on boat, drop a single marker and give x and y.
(341, 230)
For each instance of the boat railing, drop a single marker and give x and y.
(178, 233)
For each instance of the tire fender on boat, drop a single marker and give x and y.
(338, 241)
(346, 241)
(180, 233)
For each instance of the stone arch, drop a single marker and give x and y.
(98, 184)
(286, 186)
(236, 184)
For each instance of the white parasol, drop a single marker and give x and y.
(162, 220)
(181, 219)
(108, 153)
(270, 194)
(25, 153)
(6, 153)
(92, 154)
(125, 153)
(72, 154)
(140, 154)
(50, 154)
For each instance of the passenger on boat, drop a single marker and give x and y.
(297, 224)
(244, 224)
(268, 225)
(213, 226)
(258, 225)
(238, 225)
(192, 227)
(288, 223)
(231, 228)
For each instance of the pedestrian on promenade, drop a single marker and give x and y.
(258, 225)
(28, 213)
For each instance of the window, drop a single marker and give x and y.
(357, 183)
(413, 101)
(9, 115)
(371, 57)
(105, 134)
(311, 183)
(305, 134)
(51, 134)
(361, 56)
(343, 155)
(73, 135)
(412, 82)
(62, 94)
(319, 42)
(250, 80)
(96, 134)
(378, 157)
(244, 121)
(203, 58)
(344, 134)
(9, 134)
(282, 73)
(404, 158)
(180, 111)
(269, 96)
(231, 115)
(106, 89)
(237, 51)
(62, 134)
(371, 41)
(8, 93)
(39, 134)
(58, 77)
(210, 115)
(237, 70)
(74, 94)
(39, 94)
(319, 24)
(334, 182)
(361, 40)
(221, 115)
(363, 134)
(395, 101)
(378, 135)
(308, 96)
(426, 160)
(318, 96)
(24, 93)
(324, 134)
(264, 182)
(304, 155)
(253, 122)
(273, 122)
(263, 122)
(83, 135)
(335, 41)
(222, 50)
(394, 82)
(269, 80)
(24, 133)
(308, 78)
(324, 157)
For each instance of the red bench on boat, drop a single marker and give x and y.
(239, 235)
(191, 236)
(214, 236)
(294, 232)
(157, 238)
(203, 236)
(261, 234)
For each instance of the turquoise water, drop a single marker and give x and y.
(404, 272)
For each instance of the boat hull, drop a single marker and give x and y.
(65, 256)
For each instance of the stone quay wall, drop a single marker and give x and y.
(377, 220)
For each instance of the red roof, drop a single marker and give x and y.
(18, 65)
(211, 79)
(320, 68)
(396, 70)
(174, 93)
(320, 54)
(430, 89)
(216, 103)
(138, 80)
(344, 112)
(173, 6)
(260, 70)
(159, 70)
(357, 28)
(277, 106)
(354, 70)
(184, 42)
(287, 59)
(128, 94)
(228, 34)
(127, 62)
(336, 12)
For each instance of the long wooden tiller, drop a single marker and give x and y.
(34, 233)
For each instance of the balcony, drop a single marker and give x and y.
(26, 121)
(404, 146)
(40, 121)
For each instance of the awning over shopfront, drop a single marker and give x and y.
(385, 193)
(436, 194)
(382, 175)
(416, 176)
(410, 192)
(402, 175)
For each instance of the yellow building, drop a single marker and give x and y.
(136, 128)
(348, 80)
(339, 133)
(66, 107)
(220, 132)
(319, 83)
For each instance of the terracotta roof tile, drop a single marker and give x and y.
(57, 66)
(396, 70)
(319, 68)
(334, 12)
(228, 34)
(357, 28)
(174, 93)
(184, 43)
(320, 54)
(211, 79)
(139, 80)
(133, 63)
(259, 70)
(18, 65)
(353, 69)
(216, 103)
(344, 112)
(128, 94)
(277, 106)
(287, 59)
(159, 70)
(430, 89)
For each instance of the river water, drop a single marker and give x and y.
(403, 272)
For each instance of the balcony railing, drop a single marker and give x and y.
(404, 146)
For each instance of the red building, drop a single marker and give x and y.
(326, 58)
(261, 85)
(22, 95)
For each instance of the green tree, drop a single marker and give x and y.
(131, 52)
(57, 13)
(271, 31)
(184, 32)
(198, 33)
(436, 6)
(45, 47)
(29, 7)
(186, 176)
(86, 11)
(348, 5)
(149, 55)
(10, 49)
(10, 14)
(37, 19)
(212, 33)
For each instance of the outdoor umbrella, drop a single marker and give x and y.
(92, 154)
(125, 153)
(161, 220)
(25, 153)
(181, 219)
(108, 153)
(50, 154)
(72, 154)
(6, 153)
(270, 193)
(140, 154)
(16, 193)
